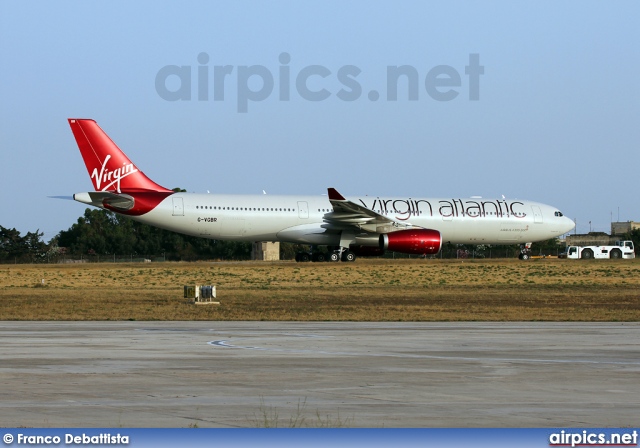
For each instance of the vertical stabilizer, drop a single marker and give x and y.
(109, 168)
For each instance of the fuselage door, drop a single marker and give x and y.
(178, 207)
(537, 214)
(303, 210)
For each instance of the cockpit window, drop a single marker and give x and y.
(557, 213)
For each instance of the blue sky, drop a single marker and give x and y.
(556, 120)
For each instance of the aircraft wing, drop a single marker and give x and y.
(347, 213)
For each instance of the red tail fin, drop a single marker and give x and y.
(110, 169)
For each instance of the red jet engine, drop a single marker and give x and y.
(418, 241)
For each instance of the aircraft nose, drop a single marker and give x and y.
(568, 224)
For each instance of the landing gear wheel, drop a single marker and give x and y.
(303, 257)
(525, 252)
(348, 256)
(319, 257)
(334, 256)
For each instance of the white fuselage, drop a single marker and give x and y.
(299, 219)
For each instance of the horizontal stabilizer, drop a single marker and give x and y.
(102, 198)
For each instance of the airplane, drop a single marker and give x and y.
(348, 226)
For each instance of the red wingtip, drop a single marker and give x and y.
(334, 195)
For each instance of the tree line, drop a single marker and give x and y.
(101, 235)
(23, 249)
(104, 235)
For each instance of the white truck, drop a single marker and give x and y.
(622, 249)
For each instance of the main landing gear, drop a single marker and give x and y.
(334, 254)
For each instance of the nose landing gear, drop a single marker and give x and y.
(525, 252)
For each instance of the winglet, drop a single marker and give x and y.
(334, 195)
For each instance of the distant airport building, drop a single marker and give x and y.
(618, 231)
(265, 251)
(620, 228)
(591, 239)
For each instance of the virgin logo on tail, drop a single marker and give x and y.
(107, 166)
(112, 176)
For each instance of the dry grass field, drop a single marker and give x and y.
(367, 290)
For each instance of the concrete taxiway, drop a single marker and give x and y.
(247, 374)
